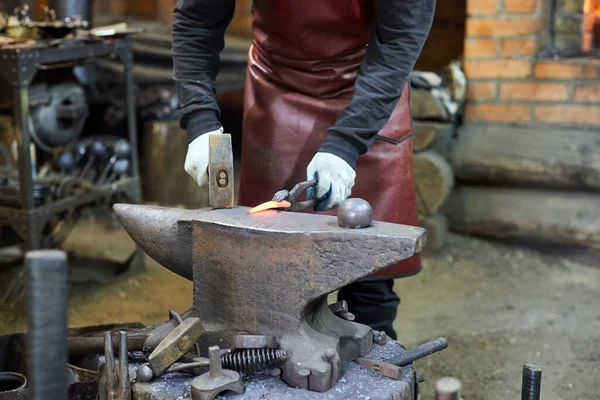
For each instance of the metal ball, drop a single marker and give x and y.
(122, 148)
(81, 148)
(355, 214)
(121, 166)
(99, 148)
(66, 161)
(144, 373)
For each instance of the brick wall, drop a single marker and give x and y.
(506, 83)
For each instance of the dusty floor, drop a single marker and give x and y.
(500, 306)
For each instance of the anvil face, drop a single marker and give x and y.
(270, 273)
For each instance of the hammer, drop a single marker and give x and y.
(220, 171)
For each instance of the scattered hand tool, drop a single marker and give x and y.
(288, 200)
(341, 310)
(380, 337)
(381, 368)
(220, 171)
(115, 384)
(208, 385)
(178, 342)
(419, 352)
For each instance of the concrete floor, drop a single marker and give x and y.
(500, 307)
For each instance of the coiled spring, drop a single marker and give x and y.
(253, 360)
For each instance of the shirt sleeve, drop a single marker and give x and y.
(198, 38)
(397, 38)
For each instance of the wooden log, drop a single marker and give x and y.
(164, 179)
(425, 106)
(434, 180)
(436, 135)
(437, 230)
(544, 216)
(561, 158)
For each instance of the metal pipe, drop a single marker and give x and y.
(532, 382)
(85, 345)
(46, 276)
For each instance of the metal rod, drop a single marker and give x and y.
(85, 345)
(419, 352)
(21, 111)
(532, 382)
(46, 275)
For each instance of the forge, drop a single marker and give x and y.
(262, 280)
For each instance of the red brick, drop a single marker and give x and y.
(582, 69)
(533, 91)
(520, 6)
(502, 26)
(497, 112)
(569, 114)
(498, 69)
(482, 7)
(589, 93)
(518, 47)
(481, 48)
(481, 90)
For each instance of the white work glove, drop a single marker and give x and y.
(196, 160)
(333, 172)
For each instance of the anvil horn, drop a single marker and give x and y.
(161, 233)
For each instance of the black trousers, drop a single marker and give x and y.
(373, 302)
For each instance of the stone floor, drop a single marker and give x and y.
(500, 306)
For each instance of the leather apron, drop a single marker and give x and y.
(301, 72)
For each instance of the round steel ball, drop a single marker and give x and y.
(144, 373)
(355, 214)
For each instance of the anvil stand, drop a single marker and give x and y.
(270, 274)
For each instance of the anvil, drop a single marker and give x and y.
(270, 274)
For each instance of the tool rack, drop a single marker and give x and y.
(18, 67)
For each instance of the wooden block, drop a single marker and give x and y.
(437, 135)
(548, 157)
(220, 171)
(543, 216)
(425, 106)
(437, 230)
(434, 180)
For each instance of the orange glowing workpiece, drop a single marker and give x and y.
(269, 205)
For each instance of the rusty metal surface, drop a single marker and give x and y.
(270, 273)
(220, 171)
(255, 342)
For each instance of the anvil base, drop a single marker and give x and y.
(355, 383)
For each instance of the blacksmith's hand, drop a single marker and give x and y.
(196, 160)
(334, 175)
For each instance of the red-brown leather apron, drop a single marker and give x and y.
(301, 72)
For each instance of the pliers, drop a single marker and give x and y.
(291, 196)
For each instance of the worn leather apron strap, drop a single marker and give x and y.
(296, 85)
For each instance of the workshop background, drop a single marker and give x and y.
(506, 122)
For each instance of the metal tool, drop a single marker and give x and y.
(419, 352)
(114, 383)
(178, 342)
(255, 342)
(174, 315)
(208, 385)
(381, 368)
(238, 256)
(448, 389)
(341, 310)
(98, 151)
(532, 382)
(121, 150)
(79, 345)
(220, 171)
(293, 195)
(120, 168)
(46, 273)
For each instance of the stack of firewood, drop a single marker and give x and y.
(436, 104)
(529, 183)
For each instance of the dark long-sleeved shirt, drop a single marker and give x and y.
(398, 36)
